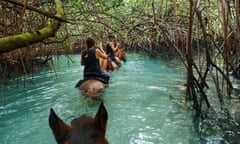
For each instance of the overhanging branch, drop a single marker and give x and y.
(38, 11)
(10, 43)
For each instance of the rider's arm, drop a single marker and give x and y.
(100, 54)
(112, 46)
(100, 47)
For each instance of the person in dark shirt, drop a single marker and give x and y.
(90, 60)
(111, 49)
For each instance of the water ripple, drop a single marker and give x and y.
(138, 102)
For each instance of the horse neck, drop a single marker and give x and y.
(117, 53)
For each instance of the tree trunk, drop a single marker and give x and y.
(10, 43)
(189, 53)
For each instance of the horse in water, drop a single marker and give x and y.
(121, 55)
(91, 87)
(94, 85)
(83, 130)
(109, 65)
(106, 64)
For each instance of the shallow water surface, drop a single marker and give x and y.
(143, 103)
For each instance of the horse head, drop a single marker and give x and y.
(121, 54)
(83, 130)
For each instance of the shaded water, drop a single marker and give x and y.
(143, 103)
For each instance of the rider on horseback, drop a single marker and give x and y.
(90, 60)
(111, 49)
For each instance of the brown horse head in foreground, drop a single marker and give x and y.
(83, 130)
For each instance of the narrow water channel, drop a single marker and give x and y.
(143, 102)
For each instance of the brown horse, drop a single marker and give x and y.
(92, 87)
(106, 64)
(121, 55)
(83, 130)
(109, 65)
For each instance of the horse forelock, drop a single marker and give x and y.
(84, 132)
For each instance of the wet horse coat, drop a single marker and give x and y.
(92, 86)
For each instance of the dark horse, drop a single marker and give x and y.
(83, 130)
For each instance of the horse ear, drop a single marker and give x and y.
(101, 119)
(59, 128)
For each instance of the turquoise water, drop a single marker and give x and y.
(143, 103)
